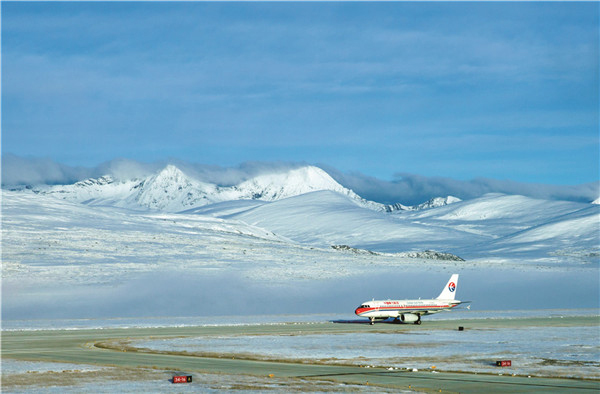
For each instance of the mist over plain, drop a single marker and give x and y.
(165, 293)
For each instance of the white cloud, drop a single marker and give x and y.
(30, 171)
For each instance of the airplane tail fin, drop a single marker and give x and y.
(449, 291)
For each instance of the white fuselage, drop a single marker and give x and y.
(396, 308)
(410, 311)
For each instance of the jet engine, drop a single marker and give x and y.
(409, 318)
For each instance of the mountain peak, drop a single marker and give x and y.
(438, 202)
(172, 190)
(433, 203)
(291, 183)
(168, 179)
(103, 180)
(171, 172)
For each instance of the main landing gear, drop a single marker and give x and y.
(398, 320)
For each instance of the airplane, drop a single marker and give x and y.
(410, 311)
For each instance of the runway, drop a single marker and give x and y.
(110, 347)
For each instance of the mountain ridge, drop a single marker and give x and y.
(171, 190)
(509, 226)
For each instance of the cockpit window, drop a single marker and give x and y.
(364, 306)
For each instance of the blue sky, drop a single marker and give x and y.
(504, 91)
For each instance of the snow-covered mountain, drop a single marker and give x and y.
(327, 218)
(171, 190)
(506, 225)
(492, 226)
(307, 206)
(168, 190)
(433, 203)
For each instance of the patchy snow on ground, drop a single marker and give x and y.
(539, 351)
(45, 377)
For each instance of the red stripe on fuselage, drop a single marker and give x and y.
(360, 311)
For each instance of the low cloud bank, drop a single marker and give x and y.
(18, 171)
(33, 171)
(408, 189)
(229, 176)
(165, 293)
(411, 189)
